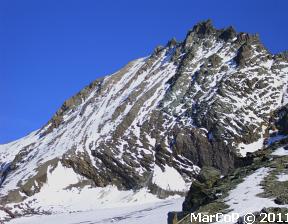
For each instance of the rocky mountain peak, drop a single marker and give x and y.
(204, 28)
(172, 43)
(204, 32)
(284, 55)
(228, 34)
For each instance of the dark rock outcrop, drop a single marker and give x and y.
(200, 191)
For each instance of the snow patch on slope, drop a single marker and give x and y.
(10, 150)
(282, 177)
(169, 179)
(59, 195)
(280, 152)
(252, 147)
(244, 198)
(59, 179)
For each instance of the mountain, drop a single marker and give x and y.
(144, 133)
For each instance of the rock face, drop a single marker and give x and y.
(200, 190)
(258, 188)
(190, 104)
(4, 170)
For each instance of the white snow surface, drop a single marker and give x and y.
(244, 198)
(59, 196)
(169, 179)
(280, 152)
(282, 177)
(252, 147)
(2, 214)
(60, 178)
(147, 213)
(69, 204)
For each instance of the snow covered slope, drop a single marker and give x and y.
(145, 213)
(150, 126)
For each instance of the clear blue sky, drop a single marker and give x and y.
(49, 50)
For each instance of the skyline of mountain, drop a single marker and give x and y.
(63, 46)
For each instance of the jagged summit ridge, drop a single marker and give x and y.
(202, 101)
(200, 29)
